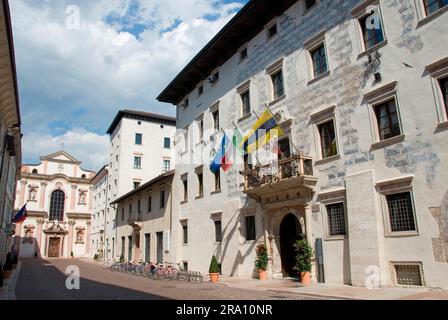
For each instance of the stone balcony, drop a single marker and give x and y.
(135, 220)
(292, 173)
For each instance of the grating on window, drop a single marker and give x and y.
(336, 219)
(408, 275)
(401, 212)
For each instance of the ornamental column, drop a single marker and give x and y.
(23, 184)
(40, 223)
(43, 186)
(73, 197)
(88, 237)
(71, 225)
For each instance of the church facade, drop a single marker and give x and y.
(58, 195)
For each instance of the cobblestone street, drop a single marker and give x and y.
(45, 280)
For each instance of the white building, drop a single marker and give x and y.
(144, 221)
(360, 89)
(10, 133)
(100, 208)
(58, 194)
(142, 147)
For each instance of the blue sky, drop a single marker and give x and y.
(74, 77)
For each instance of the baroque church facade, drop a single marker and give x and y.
(58, 197)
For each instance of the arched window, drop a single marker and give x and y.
(57, 205)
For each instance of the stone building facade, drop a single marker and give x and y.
(359, 88)
(144, 221)
(141, 148)
(10, 131)
(58, 194)
(100, 246)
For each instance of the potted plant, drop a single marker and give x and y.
(304, 253)
(214, 270)
(7, 268)
(261, 262)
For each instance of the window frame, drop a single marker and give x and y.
(246, 227)
(310, 46)
(271, 71)
(318, 119)
(137, 137)
(137, 163)
(393, 187)
(438, 71)
(165, 161)
(217, 183)
(165, 140)
(275, 92)
(162, 200)
(391, 126)
(219, 239)
(332, 197)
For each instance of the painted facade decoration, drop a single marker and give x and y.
(58, 205)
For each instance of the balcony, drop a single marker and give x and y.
(291, 173)
(135, 220)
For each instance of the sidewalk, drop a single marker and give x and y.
(8, 291)
(329, 291)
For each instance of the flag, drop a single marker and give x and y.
(265, 129)
(219, 159)
(236, 140)
(20, 216)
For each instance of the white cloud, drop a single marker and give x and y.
(90, 148)
(83, 77)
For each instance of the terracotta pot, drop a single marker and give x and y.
(214, 277)
(262, 275)
(7, 274)
(305, 278)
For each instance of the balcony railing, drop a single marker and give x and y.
(135, 218)
(270, 174)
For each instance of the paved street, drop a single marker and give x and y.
(45, 280)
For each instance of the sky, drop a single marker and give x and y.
(81, 61)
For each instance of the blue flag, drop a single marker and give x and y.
(219, 158)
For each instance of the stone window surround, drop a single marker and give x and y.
(270, 71)
(392, 265)
(329, 197)
(438, 70)
(394, 186)
(309, 45)
(374, 98)
(240, 90)
(184, 178)
(318, 118)
(241, 49)
(198, 121)
(305, 10)
(273, 22)
(359, 12)
(423, 18)
(245, 212)
(184, 223)
(198, 171)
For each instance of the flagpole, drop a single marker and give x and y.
(278, 124)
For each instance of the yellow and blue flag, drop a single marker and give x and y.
(264, 130)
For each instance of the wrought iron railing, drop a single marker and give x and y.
(290, 168)
(135, 217)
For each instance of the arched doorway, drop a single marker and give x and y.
(290, 232)
(57, 205)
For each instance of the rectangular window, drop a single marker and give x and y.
(250, 228)
(218, 180)
(336, 219)
(216, 120)
(408, 274)
(319, 58)
(129, 248)
(138, 138)
(162, 199)
(122, 214)
(185, 234)
(186, 140)
(136, 185)
(149, 203)
(200, 184)
(387, 120)
(245, 102)
(200, 90)
(185, 183)
(201, 130)
(432, 6)
(166, 165)
(444, 87)
(218, 231)
(130, 209)
(371, 36)
(243, 54)
(139, 206)
(328, 139)
(309, 4)
(148, 247)
(401, 212)
(277, 82)
(272, 31)
(123, 244)
(167, 143)
(137, 162)
(185, 264)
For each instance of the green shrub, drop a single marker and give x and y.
(304, 253)
(122, 258)
(8, 263)
(95, 257)
(214, 267)
(261, 262)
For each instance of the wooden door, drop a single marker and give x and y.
(53, 248)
